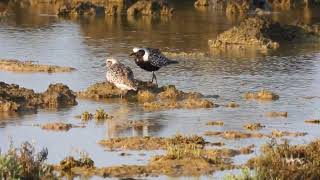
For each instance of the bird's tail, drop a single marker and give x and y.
(172, 62)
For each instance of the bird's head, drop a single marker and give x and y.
(111, 61)
(140, 53)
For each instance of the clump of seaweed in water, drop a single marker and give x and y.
(215, 123)
(313, 121)
(261, 95)
(232, 105)
(85, 116)
(70, 162)
(277, 114)
(25, 163)
(57, 126)
(253, 126)
(101, 114)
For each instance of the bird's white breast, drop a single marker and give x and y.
(146, 55)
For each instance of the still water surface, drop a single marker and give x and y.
(293, 72)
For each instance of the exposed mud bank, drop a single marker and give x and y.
(15, 98)
(149, 95)
(29, 66)
(261, 33)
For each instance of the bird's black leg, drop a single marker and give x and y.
(154, 77)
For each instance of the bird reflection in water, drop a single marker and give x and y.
(120, 125)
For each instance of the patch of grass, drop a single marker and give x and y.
(245, 175)
(280, 161)
(24, 163)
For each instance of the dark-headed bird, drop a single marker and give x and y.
(120, 75)
(151, 60)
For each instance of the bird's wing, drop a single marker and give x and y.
(124, 74)
(158, 59)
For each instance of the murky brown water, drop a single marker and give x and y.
(293, 72)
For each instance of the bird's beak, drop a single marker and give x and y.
(103, 65)
(132, 54)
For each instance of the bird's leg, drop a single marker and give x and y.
(154, 77)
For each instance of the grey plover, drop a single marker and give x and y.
(120, 75)
(151, 60)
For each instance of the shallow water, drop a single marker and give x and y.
(293, 72)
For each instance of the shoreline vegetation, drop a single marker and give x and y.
(276, 161)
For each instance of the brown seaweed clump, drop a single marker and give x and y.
(277, 114)
(241, 135)
(58, 95)
(254, 126)
(15, 98)
(70, 162)
(186, 55)
(58, 126)
(29, 66)
(232, 105)
(234, 134)
(150, 143)
(280, 161)
(277, 133)
(151, 96)
(264, 95)
(215, 123)
(313, 121)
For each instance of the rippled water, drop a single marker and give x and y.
(293, 72)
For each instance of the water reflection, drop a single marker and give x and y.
(292, 72)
